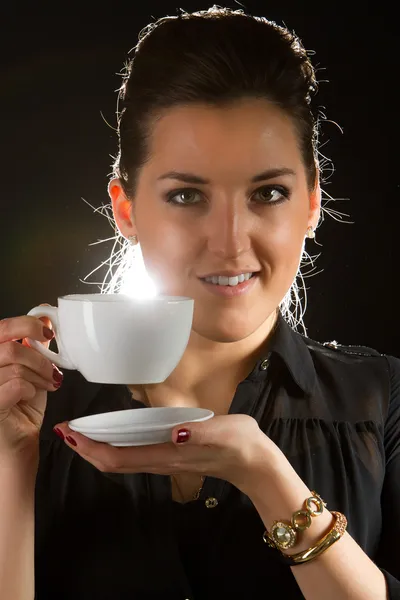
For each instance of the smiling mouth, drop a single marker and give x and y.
(224, 281)
(228, 291)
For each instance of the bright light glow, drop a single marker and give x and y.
(138, 286)
(126, 271)
(136, 282)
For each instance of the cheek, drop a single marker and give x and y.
(282, 249)
(286, 237)
(168, 251)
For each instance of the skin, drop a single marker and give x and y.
(229, 227)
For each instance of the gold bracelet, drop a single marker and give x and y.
(283, 534)
(322, 545)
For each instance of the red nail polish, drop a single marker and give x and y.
(57, 375)
(58, 432)
(71, 440)
(183, 436)
(48, 333)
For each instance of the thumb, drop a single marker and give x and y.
(201, 434)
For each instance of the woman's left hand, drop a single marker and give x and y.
(229, 447)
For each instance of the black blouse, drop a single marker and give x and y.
(335, 413)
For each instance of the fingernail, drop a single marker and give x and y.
(58, 432)
(57, 375)
(183, 436)
(71, 440)
(48, 333)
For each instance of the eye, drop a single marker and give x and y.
(184, 196)
(273, 194)
(269, 194)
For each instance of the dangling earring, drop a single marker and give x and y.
(310, 233)
(133, 240)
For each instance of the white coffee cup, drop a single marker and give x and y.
(113, 338)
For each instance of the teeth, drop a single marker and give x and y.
(232, 281)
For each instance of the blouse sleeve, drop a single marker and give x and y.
(388, 556)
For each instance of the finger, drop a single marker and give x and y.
(19, 371)
(15, 390)
(12, 353)
(17, 328)
(47, 323)
(104, 457)
(47, 331)
(156, 458)
(202, 434)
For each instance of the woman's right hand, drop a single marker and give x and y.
(25, 378)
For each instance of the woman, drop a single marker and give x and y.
(217, 178)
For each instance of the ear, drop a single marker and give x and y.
(122, 208)
(315, 205)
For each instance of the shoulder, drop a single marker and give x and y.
(365, 368)
(356, 358)
(334, 353)
(355, 354)
(349, 350)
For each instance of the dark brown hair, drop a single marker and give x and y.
(212, 57)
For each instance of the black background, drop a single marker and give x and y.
(59, 68)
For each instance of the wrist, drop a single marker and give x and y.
(274, 485)
(277, 492)
(23, 464)
(266, 468)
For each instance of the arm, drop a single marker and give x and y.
(17, 487)
(344, 571)
(388, 555)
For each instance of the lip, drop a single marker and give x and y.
(228, 291)
(226, 273)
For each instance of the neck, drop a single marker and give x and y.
(201, 382)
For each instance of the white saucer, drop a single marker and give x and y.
(138, 426)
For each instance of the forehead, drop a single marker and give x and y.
(254, 133)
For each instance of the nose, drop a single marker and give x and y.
(227, 230)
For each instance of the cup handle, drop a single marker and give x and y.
(60, 359)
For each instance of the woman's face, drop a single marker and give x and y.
(224, 222)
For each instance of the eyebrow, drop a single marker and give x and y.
(195, 179)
